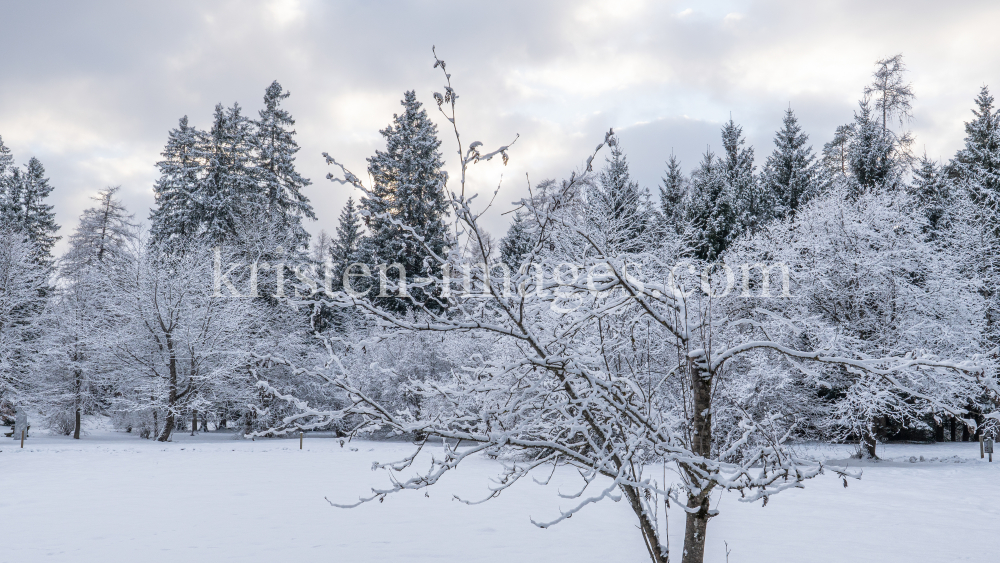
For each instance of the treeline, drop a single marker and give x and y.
(890, 253)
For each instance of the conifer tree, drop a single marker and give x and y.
(516, 243)
(873, 156)
(229, 195)
(344, 248)
(619, 204)
(712, 213)
(836, 153)
(673, 190)
(27, 210)
(738, 168)
(790, 176)
(977, 165)
(933, 192)
(103, 232)
(6, 164)
(408, 192)
(178, 208)
(281, 183)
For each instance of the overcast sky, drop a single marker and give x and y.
(92, 89)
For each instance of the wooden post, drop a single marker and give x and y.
(981, 454)
(22, 441)
(300, 440)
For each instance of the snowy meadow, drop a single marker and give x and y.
(114, 497)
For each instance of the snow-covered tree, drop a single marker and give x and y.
(874, 157)
(752, 205)
(229, 194)
(836, 153)
(178, 208)
(932, 192)
(619, 206)
(712, 212)
(611, 372)
(408, 188)
(274, 142)
(23, 284)
(25, 208)
(791, 175)
(977, 165)
(673, 192)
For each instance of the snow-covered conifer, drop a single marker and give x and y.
(274, 141)
(790, 176)
(673, 192)
(619, 206)
(408, 192)
(178, 205)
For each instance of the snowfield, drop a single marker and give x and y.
(114, 497)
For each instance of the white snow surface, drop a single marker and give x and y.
(114, 497)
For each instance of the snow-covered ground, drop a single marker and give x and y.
(113, 497)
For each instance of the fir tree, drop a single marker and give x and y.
(619, 205)
(344, 248)
(933, 192)
(873, 157)
(178, 210)
(6, 164)
(749, 204)
(516, 243)
(790, 176)
(408, 190)
(27, 210)
(673, 191)
(712, 213)
(228, 196)
(282, 185)
(977, 165)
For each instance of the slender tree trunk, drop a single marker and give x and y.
(868, 444)
(194, 421)
(696, 524)
(168, 424)
(78, 383)
(954, 430)
(939, 432)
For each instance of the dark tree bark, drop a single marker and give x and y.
(939, 432)
(954, 430)
(696, 523)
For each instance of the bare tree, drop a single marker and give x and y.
(615, 371)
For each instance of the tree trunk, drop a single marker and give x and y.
(694, 530)
(78, 381)
(696, 523)
(954, 430)
(168, 424)
(939, 432)
(194, 421)
(868, 443)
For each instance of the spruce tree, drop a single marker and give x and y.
(408, 188)
(748, 201)
(6, 164)
(516, 243)
(618, 204)
(712, 214)
(282, 185)
(178, 210)
(873, 156)
(229, 196)
(28, 211)
(977, 165)
(933, 193)
(673, 190)
(790, 176)
(344, 248)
